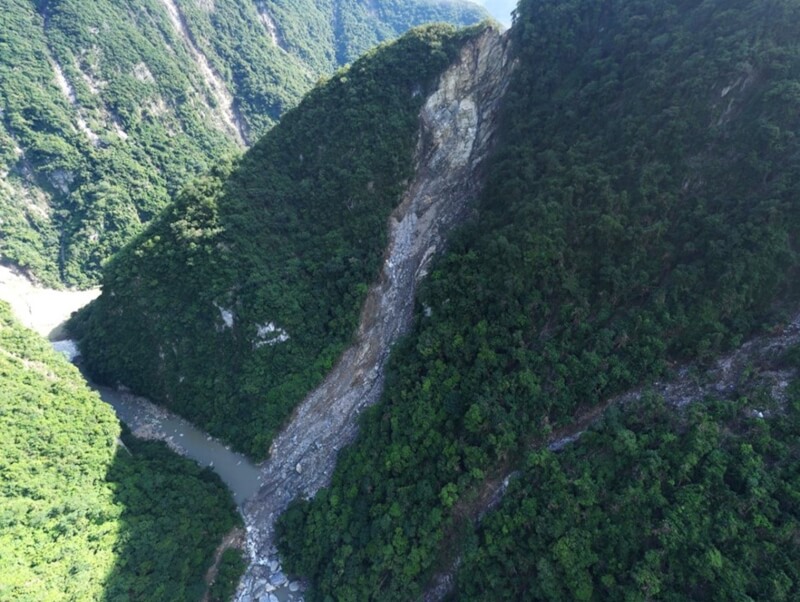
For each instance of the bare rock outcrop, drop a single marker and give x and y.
(457, 127)
(226, 113)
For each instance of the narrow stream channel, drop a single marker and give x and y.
(149, 421)
(45, 311)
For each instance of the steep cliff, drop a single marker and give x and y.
(640, 210)
(108, 108)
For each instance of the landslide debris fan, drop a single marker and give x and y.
(641, 208)
(243, 294)
(108, 108)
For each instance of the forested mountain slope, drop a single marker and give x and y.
(243, 294)
(657, 502)
(108, 108)
(88, 513)
(641, 209)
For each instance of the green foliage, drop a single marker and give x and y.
(174, 515)
(231, 567)
(284, 245)
(359, 26)
(82, 515)
(313, 39)
(641, 208)
(29, 238)
(655, 503)
(140, 118)
(95, 191)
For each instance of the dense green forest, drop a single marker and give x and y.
(107, 108)
(231, 566)
(656, 503)
(641, 208)
(88, 512)
(242, 295)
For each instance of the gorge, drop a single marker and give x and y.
(493, 314)
(458, 122)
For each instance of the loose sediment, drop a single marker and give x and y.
(41, 309)
(457, 127)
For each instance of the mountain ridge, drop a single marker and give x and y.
(630, 220)
(228, 277)
(109, 108)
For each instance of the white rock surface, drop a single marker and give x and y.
(41, 309)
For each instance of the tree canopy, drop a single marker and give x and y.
(657, 502)
(107, 108)
(88, 512)
(641, 209)
(242, 295)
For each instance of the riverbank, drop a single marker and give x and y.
(46, 310)
(43, 310)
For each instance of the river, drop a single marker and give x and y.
(149, 421)
(45, 311)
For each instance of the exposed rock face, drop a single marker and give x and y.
(268, 22)
(457, 127)
(226, 112)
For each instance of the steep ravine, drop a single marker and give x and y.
(457, 126)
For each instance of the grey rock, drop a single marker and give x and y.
(259, 585)
(458, 123)
(278, 579)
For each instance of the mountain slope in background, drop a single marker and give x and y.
(109, 107)
(500, 9)
(84, 515)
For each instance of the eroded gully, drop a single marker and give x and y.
(753, 366)
(457, 127)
